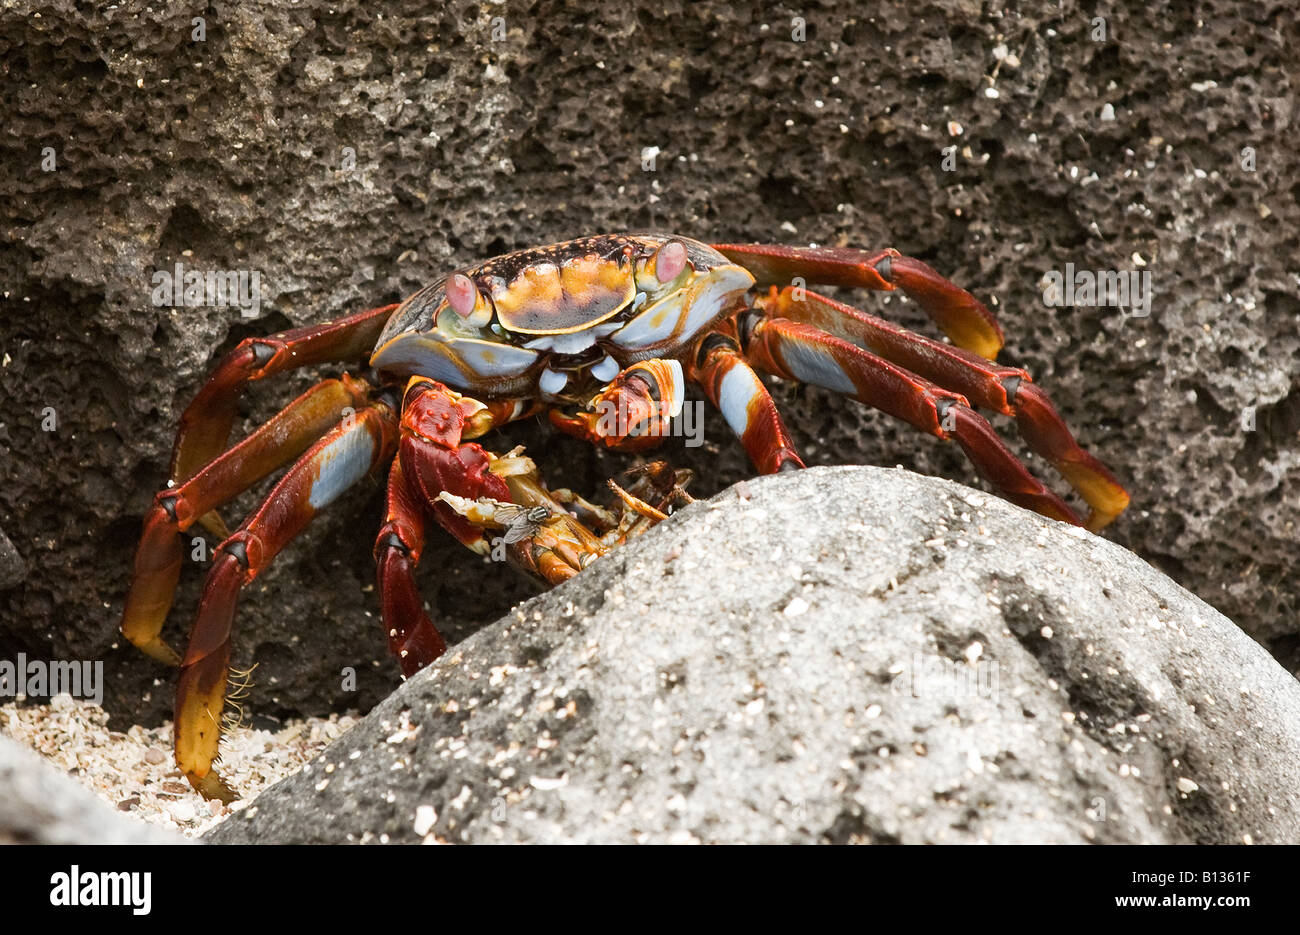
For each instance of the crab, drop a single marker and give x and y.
(602, 336)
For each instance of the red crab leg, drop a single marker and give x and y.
(736, 390)
(205, 424)
(960, 315)
(412, 638)
(1008, 390)
(341, 458)
(797, 351)
(269, 447)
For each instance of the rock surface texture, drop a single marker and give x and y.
(843, 654)
(349, 153)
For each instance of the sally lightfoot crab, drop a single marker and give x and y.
(611, 324)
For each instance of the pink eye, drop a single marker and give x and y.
(461, 294)
(670, 261)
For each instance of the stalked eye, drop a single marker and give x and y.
(461, 294)
(670, 260)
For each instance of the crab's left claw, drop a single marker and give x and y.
(548, 543)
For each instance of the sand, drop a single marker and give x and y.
(135, 771)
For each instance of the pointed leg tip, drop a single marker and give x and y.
(141, 631)
(158, 649)
(1053, 507)
(212, 786)
(1105, 497)
(988, 349)
(214, 524)
(975, 336)
(1100, 519)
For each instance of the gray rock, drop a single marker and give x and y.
(38, 805)
(227, 154)
(842, 654)
(12, 567)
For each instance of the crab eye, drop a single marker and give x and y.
(461, 294)
(670, 260)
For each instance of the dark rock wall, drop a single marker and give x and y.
(474, 135)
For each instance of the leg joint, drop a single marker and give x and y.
(237, 550)
(261, 351)
(1011, 385)
(391, 541)
(712, 343)
(167, 500)
(746, 324)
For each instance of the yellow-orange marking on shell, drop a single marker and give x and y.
(549, 299)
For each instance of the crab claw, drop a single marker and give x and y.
(550, 544)
(634, 412)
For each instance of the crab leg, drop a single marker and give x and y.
(412, 637)
(1008, 390)
(797, 351)
(961, 316)
(592, 515)
(205, 425)
(736, 390)
(269, 447)
(338, 460)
